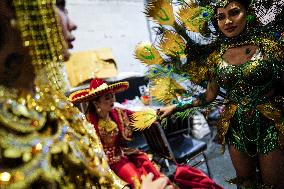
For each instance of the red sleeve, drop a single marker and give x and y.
(121, 117)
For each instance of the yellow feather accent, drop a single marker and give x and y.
(165, 89)
(192, 19)
(173, 45)
(161, 11)
(147, 54)
(143, 119)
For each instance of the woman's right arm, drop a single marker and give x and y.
(203, 99)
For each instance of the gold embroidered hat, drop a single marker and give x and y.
(97, 88)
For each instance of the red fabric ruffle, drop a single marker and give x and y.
(189, 177)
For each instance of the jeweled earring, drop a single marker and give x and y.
(13, 23)
(250, 18)
(99, 110)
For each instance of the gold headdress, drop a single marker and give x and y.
(220, 3)
(37, 20)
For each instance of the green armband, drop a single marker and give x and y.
(184, 104)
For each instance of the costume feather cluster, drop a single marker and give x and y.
(188, 41)
(195, 18)
(166, 89)
(161, 12)
(147, 54)
(173, 44)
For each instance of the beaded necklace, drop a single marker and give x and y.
(107, 125)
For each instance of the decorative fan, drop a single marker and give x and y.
(143, 119)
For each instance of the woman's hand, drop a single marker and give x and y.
(166, 111)
(160, 183)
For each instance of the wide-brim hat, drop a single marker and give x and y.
(97, 88)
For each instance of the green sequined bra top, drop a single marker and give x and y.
(248, 82)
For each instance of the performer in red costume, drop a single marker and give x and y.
(113, 126)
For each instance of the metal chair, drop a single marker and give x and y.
(175, 144)
(137, 142)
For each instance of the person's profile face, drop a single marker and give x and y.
(67, 26)
(106, 102)
(231, 19)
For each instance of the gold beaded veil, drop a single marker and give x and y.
(45, 141)
(36, 20)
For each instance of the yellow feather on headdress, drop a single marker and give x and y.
(195, 18)
(147, 54)
(143, 119)
(161, 11)
(165, 89)
(173, 45)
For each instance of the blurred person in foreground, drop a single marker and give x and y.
(45, 141)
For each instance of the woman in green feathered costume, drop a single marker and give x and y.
(247, 61)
